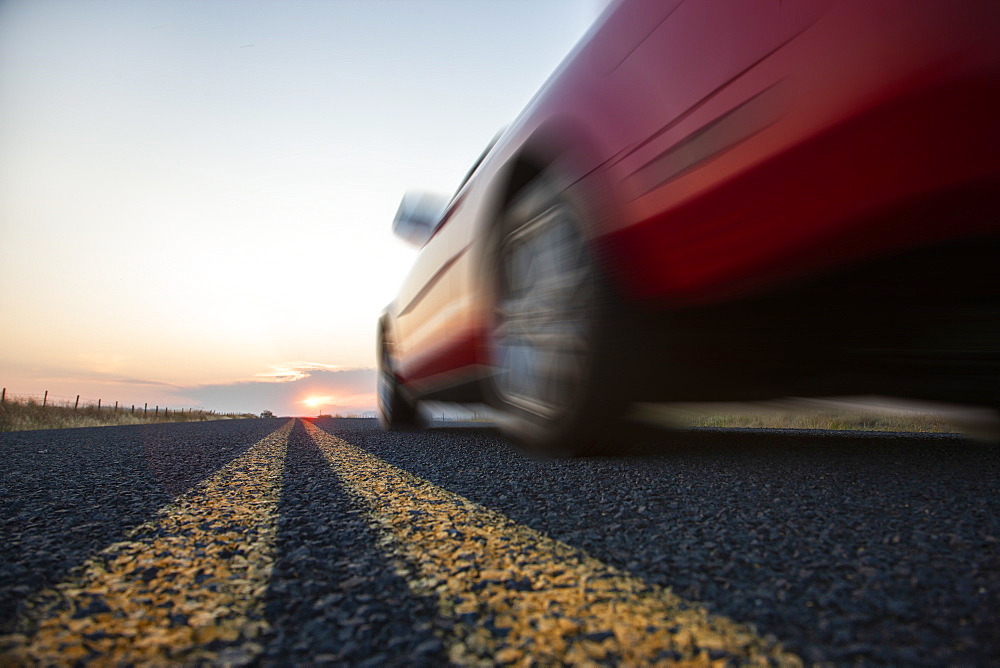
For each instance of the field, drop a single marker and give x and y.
(24, 414)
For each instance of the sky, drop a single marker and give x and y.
(196, 196)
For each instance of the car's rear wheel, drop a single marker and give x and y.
(556, 373)
(395, 409)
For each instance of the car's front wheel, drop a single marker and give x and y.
(395, 409)
(553, 336)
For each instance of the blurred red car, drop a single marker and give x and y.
(718, 200)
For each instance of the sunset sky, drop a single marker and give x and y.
(196, 197)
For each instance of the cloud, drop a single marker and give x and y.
(344, 391)
(63, 385)
(292, 371)
(101, 363)
(137, 381)
(282, 389)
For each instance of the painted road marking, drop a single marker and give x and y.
(180, 587)
(519, 597)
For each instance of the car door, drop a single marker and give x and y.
(430, 322)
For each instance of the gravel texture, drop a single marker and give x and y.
(846, 549)
(183, 588)
(67, 493)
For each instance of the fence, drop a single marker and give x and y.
(47, 399)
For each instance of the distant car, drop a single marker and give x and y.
(714, 200)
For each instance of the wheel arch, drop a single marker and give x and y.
(382, 328)
(384, 338)
(562, 145)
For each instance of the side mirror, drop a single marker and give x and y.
(418, 217)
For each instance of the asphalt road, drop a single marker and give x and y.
(330, 541)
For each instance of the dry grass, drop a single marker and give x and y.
(27, 414)
(807, 414)
(850, 420)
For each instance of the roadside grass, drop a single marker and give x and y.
(848, 420)
(780, 414)
(800, 416)
(823, 414)
(24, 415)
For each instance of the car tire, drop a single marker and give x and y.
(395, 410)
(557, 336)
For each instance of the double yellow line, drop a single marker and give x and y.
(187, 587)
(519, 597)
(194, 575)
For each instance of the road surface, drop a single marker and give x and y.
(329, 541)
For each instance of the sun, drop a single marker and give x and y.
(312, 402)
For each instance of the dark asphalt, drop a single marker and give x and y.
(67, 493)
(849, 548)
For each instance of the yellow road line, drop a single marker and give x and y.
(180, 587)
(519, 597)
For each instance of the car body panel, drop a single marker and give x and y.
(726, 149)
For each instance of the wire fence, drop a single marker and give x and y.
(52, 411)
(79, 402)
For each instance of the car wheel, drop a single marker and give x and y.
(555, 369)
(395, 410)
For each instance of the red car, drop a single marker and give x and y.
(719, 200)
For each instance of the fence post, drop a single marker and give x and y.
(98, 405)
(77, 404)
(45, 399)
(116, 407)
(145, 408)
(3, 396)
(166, 411)
(133, 409)
(157, 411)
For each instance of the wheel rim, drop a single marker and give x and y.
(543, 314)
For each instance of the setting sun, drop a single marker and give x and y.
(317, 401)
